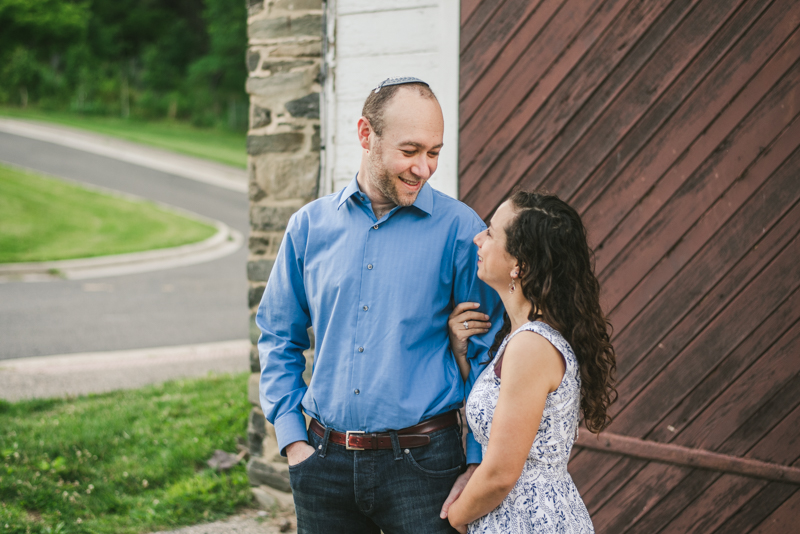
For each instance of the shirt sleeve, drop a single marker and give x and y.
(283, 318)
(468, 288)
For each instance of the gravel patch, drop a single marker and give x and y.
(247, 522)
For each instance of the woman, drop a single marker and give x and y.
(552, 362)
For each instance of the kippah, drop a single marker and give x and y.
(399, 80)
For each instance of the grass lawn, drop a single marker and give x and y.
(123, 462)
(47, 219)
(216, 144)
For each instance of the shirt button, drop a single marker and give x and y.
(356, 392)
(366, 308)
(369, 266)
(360, 349)
(375, 227)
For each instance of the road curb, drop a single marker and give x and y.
(209, 172)
(225, 241)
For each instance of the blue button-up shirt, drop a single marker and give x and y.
(378, 294)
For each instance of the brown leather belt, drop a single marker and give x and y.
(413, 436)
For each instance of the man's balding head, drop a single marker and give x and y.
(375, 105)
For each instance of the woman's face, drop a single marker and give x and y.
(495, 264)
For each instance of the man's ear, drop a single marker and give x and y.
(364, 131)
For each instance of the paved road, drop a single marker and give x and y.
(188, 305)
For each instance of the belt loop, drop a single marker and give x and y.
(324, 449)
(398, 454)
(460, 424)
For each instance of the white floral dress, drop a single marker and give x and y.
(544, 499)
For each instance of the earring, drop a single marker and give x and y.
(513, 285)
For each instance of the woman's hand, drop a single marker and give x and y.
(465, 321)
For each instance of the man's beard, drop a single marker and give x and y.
(385, 182)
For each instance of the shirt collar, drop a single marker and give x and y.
(423, 203)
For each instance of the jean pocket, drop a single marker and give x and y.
(443, 457)
(304, 462)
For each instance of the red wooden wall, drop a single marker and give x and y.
(672, 126)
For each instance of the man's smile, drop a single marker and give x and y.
(411, 184)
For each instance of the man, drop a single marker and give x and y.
(376, 269)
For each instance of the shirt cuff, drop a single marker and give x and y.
(290, 428)
(474, 452)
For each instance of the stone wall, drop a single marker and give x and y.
(283, 143)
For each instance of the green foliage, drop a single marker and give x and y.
(46, 219)
(176, 59)
(123, 462)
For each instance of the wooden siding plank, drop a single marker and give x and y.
(644, 407)
(515, 49)
(548, 59)
(614, 481)
(588, 467)
(724, 266)
(706, 170)
(660, 503)
(744, 397)
(724, 497)
(653, 520)
(762, 422)
(641, 336)
(782, 520)
(729, 493)
(468, 7)
(539, 117)
(651, 148)
(732, 367)
(782, 444)
(482, 52)
(636, 495)
(721, 214)
(598, 130)
(756, 509)
(477, 20)
(633, 199)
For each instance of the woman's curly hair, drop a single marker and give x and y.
(548, 240)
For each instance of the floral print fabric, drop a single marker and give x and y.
(544, 499)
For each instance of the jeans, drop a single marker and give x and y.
(398, 491)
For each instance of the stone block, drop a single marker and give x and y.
(255, 293)
(297, 5)
(256, 432)
(272, 474)
(254, 6)
(288, 178)
(272, 143)
(253, 59)
(260, 117)
(252, 389)
(306, 107)
(283, 85)
(254, 192)
(255, 332)
(271, 217)
(265, 243)
(309, 25)
(272, 498)
(315, 145)
(276, 66)
(311, 48)
(258, 271)
(255, 363)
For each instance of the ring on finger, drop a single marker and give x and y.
(466, 325)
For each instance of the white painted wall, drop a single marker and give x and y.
(369, 41)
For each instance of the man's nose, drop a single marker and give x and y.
(422, 167)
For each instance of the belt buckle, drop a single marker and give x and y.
(347, 440)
